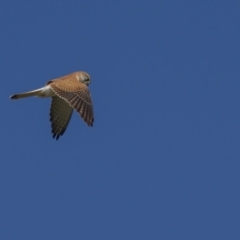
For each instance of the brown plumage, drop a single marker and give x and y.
(68, 93)
(76, 94)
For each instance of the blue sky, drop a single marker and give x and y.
(162, 160)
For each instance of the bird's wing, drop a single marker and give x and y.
(60, 115)
(77, 95)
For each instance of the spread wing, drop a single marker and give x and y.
(77, 95)
(60, 115)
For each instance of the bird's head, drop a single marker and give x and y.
(83, 77)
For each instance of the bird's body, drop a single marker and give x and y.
(68, 93)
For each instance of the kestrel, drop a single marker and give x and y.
(68, 93)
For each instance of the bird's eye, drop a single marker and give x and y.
(87, 81)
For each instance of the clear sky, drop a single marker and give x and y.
(162, 160)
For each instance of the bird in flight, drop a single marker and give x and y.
(68, 93)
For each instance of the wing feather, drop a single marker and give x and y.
(60, 115)
(77, 95)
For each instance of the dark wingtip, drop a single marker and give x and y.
(56, 135)
(90, 123)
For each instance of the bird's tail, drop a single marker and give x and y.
(35, 93)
